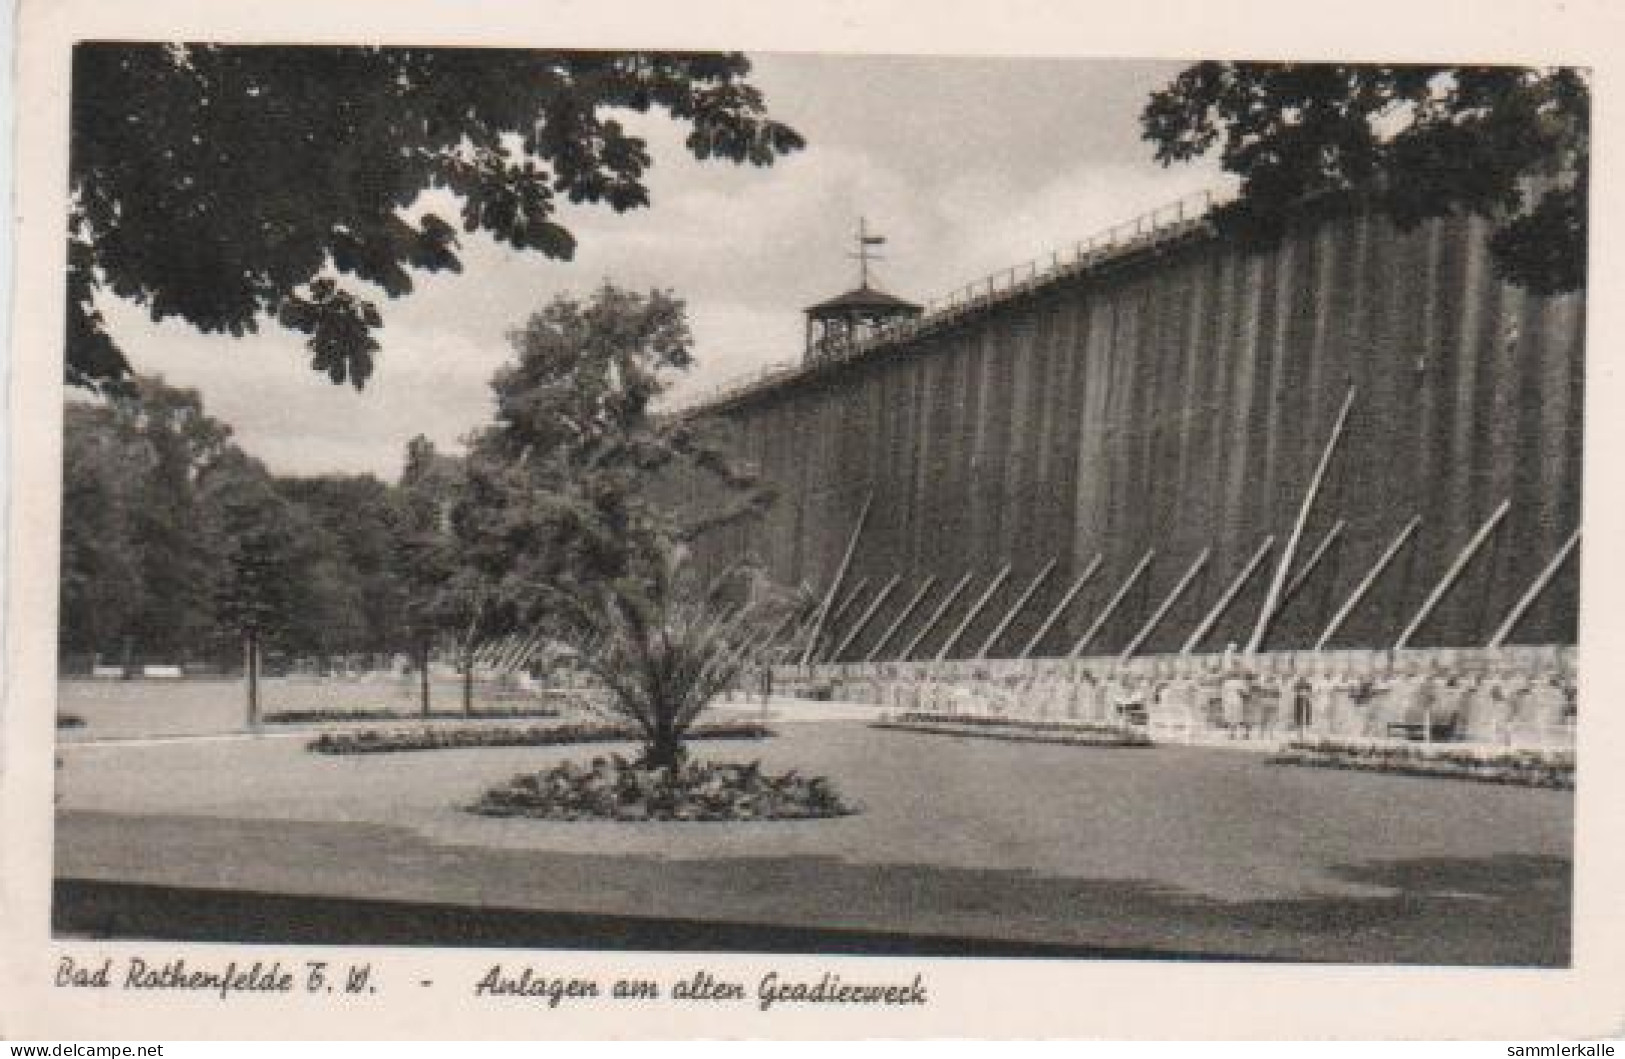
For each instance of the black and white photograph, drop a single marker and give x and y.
(1061, 512)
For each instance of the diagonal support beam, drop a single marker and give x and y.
(864, 618)
(1366, 582)
(527, 649)
(1528, 598)
(1272, 600)
(510, 661)
(1167, 604)
(840, 577)
(1010, 616)
(891, 630)
(799, 635)
(780, 644)
(515, 645)
(792, 619)
(1450, 575)
(970, 615)
(833, 621)
(845, 605)
(1060, 608)
(485, 652)
(1087, 638)
(1218, 609)
(531, 651)
(1303, 575)
(789, 629)
(936, 616)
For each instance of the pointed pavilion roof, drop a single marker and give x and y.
(864, 298)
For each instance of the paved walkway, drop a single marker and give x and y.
(775, 712)
(1179, 849)
(139, 712)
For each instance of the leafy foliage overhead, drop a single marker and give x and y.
(223, 185)
(1508, 143)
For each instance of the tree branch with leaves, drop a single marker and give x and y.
(229, 185)
(1510, 144)
(574, 512)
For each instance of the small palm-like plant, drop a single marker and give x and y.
(664, 646)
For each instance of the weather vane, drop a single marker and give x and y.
(864, 254)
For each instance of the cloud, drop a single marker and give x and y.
(427, 381)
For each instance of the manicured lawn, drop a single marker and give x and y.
(128, 709)
(1186, 850)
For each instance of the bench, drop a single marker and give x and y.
(1177, 721)
(1416, 725)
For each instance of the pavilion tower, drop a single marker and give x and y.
(841, 322)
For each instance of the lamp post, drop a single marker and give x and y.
(251, 668)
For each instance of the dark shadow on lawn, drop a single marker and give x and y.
(96, 909)
(247, 881)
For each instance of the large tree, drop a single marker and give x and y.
(101, 557)
(175, 542)
(580, 497)
(443, 595)
(264, 544)
(1508, 143)
(228, 185)
(579, 482)
(136, 574)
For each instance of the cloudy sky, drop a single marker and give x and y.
(967, 166)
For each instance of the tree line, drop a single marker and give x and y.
(178, 545)
(175, 540)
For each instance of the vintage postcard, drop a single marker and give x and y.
(832, 523)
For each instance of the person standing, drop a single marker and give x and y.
(1328, 707)
(1233, 692)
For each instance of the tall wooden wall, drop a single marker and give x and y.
(1179, 399)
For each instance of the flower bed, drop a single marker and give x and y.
(1525, 768)
(374, 741)
(1012, 729)
(391, 713)
(615, 789)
